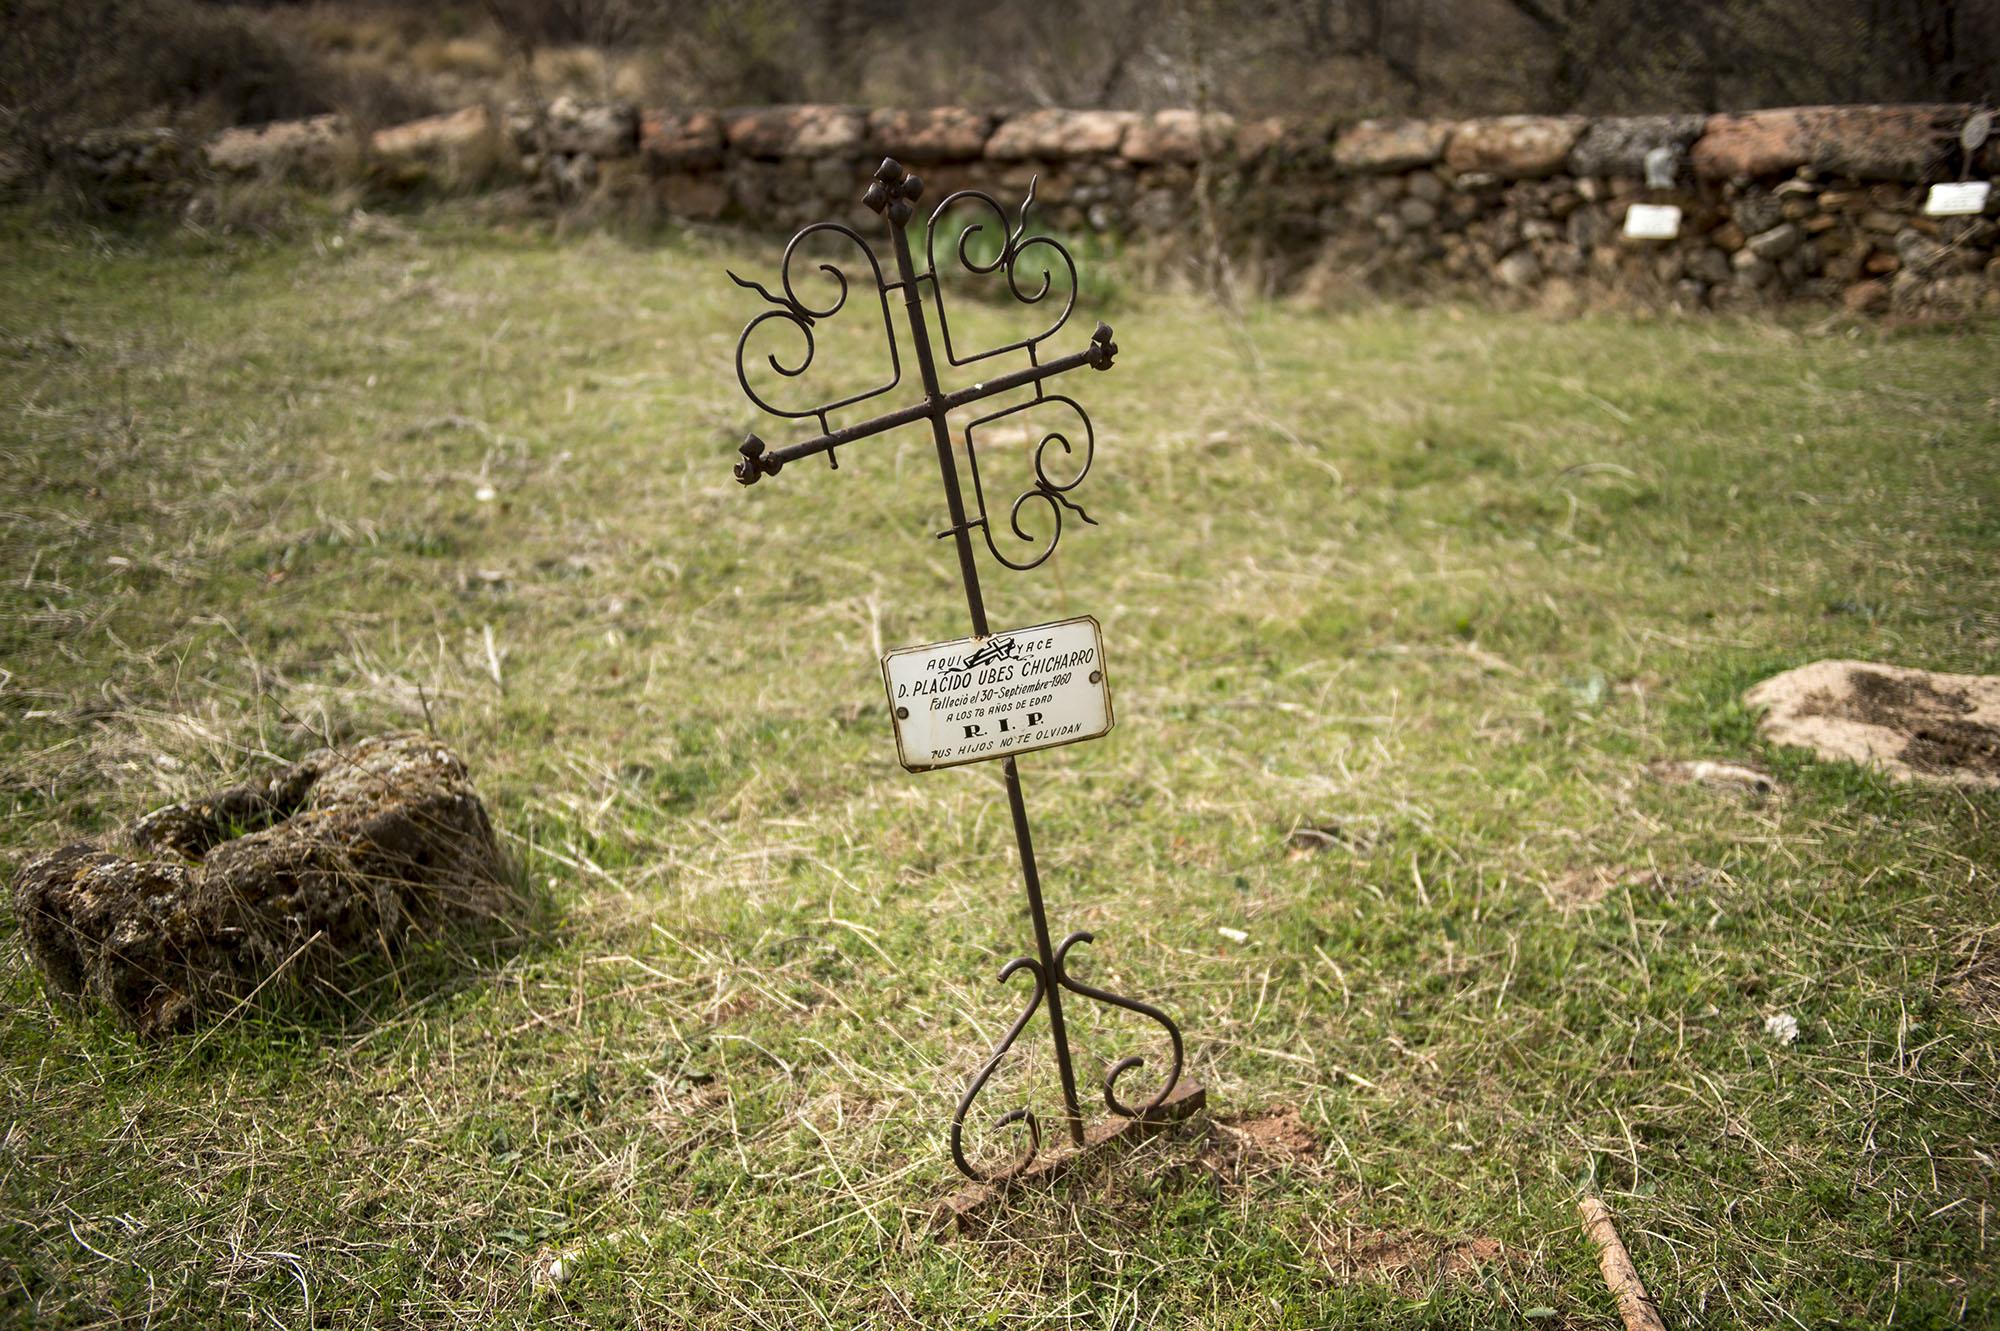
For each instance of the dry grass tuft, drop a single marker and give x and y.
(1413, 1264)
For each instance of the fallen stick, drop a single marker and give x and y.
(1634, 1306)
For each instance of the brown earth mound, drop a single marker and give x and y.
(1250, 1144)
(1916, 725)
(201, 903)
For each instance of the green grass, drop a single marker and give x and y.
(1445, 580)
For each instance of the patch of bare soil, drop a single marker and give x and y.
(1915, 725)
(1246, 1145)
(1579, 889)
(1978, 988)
(1409, 1261)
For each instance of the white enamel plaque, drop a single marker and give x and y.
(1652, 221)
(972, 699)
(1958, 198)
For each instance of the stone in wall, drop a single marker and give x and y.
(1868, 297)
(285, 148)
(131, 168)
(1053, 134)
(829, 131)
(566, 176)
(701, 197)
(149, 154)
(1951, 297)
(1909, 143)
(774, 132)
(1756, 143)
(1256, 138)
(601, 130)
(1775, 243)
(434, 137)
(942, 134)
(1619, 145)
(1519, 270)
(1178, 136)
(681, 141)
(1390, 145)
(1513, 147)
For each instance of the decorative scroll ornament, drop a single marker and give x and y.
(1036, 269)
(1016, 245)
(1113, 1072)
(794, 311)
(1051, 489)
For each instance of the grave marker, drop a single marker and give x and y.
(989, 696)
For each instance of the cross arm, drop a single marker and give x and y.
(759, 460)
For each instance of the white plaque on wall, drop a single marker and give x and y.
(1958, 198)
(1652, 221)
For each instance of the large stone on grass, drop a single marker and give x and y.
(1915, 725)
(1390, 145)
(1513, 147)
(184, 913)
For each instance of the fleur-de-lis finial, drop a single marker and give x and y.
(755, 462)
(893, 190)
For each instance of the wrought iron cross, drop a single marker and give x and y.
(893, 192)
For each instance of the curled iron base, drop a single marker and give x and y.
(1022, 1114)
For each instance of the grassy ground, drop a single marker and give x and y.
(1443, 583)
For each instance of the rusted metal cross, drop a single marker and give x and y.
(893, 192)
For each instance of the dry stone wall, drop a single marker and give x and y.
(1807, 202)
